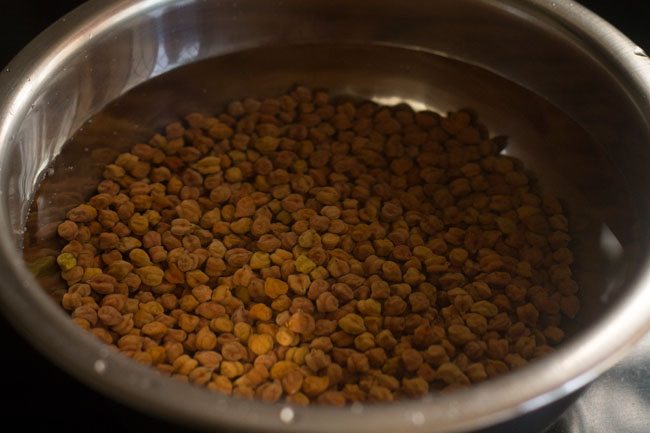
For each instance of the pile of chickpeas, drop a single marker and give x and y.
(308, 249)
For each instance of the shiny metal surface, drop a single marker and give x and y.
(618, 401)
(593, 151)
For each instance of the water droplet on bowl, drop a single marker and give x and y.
(417, 418)
(639, 52)
(356, 407)
(287, 415)
(100, 366)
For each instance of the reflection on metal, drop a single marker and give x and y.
(396, 100)
(609, 244)
(612, 248)
(164, 63)
(618, 402)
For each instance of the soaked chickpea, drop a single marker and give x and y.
(316, 250)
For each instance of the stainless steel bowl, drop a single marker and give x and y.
(573, 93)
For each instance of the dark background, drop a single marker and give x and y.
(39, 397)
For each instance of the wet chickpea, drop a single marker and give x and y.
(301, 323)
(274, 287)
(352, 324)
(320, 251)
(260, 344)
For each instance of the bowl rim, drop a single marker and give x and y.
(568, 369)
